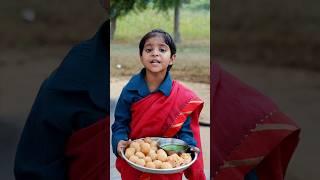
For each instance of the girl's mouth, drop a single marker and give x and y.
(155, 61)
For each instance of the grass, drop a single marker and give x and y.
(193, 26)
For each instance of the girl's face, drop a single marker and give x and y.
(156, 55)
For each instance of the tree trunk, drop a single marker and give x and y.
(113, 24)
(177, 37)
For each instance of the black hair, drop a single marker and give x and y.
(166, 37)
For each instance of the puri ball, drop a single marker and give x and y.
(175, 160)
(161, 151)
(129, 152)
(135, 145)
(155, 148)
(153, 143)
(186, 158)
(153, 154)
(140, 162)
(157, 163)
(145, 148)
(133, 158)
(152, 151)
(162, 156)
(148, 140)
(140, 155)
(166, 165)
(150, 165)
(148, 159)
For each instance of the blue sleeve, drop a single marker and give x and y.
(186, 133)
(252, 175)
(120, 127)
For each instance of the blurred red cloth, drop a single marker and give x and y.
(88, 153)
(249, 131)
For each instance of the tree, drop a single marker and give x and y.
(165, 5)
(176, 27)
(120, 8)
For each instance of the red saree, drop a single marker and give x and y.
(159, 116)
(87, 152)
(249, 131)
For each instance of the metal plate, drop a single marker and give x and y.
(194, 157)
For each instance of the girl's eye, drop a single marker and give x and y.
(162, 50)
(148, 50)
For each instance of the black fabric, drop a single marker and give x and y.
(73, 97)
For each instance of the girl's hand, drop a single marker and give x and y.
(121, 145)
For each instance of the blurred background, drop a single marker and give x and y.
(35, 36)
(274, 46)
(131, 20)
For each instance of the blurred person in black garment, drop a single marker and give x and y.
(65, 135)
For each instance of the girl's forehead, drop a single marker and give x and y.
(155, 40)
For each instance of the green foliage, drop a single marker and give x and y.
(120, 7)
(194, 27)
(196, 5)
(123, 7)
(163, 5)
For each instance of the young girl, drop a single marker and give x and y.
(153, 105)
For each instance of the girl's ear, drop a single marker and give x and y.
(172, 59)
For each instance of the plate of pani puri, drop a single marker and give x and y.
(147, 155)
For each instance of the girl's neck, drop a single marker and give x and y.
(154, 80)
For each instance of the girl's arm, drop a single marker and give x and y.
(120, 127)
(186, 134)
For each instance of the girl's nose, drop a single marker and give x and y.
(155, 52)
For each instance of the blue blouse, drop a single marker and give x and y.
(251, 175)
(135, 90)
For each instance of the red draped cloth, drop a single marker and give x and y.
(249, 131)
(160, 116)
(87, 152)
